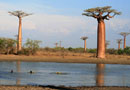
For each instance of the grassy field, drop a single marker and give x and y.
(65, 57)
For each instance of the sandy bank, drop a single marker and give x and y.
(74, 58)
(60, 88)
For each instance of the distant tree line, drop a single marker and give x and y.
(31, 47)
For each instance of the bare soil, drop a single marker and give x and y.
(65, 57)
(60, 88)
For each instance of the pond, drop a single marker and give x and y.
(67, 74)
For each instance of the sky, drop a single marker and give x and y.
(62, 20)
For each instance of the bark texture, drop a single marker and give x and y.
(118, 46)
(85, 45)
(124, 42)
(20, 35)
(101, 40)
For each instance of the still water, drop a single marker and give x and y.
(67, 74)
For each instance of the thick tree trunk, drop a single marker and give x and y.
(124, 42)
(118, 46)
(20, 35)
(101, 40)
(100, 74)
(84, 45)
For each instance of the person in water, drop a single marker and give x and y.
(31, 72)
(11, 71)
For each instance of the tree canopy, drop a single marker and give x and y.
(124, 34)
(119, 40)
(19, 14)
(84, 38)
(101, 12)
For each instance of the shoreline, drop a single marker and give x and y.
(111, 59)
(14, 87)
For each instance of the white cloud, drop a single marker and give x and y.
(46, 23)
(119, 24)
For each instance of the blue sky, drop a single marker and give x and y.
(55, 20)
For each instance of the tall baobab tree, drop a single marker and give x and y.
(124, 34)
(20, 15)
(119, 41)
(101, 14)
(84, 38)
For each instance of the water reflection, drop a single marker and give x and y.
(77, 74)
(18, 67)
(100, 74)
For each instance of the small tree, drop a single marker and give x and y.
(7, 45)
(101, 14)
(124, 34)
(32, 46)
(84, 38)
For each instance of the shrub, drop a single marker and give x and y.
(120, 51)
(92, 50)
(70, 49)
(7, 45)
(31, 46)
(127, 50)
(111, 51)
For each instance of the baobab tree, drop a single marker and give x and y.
(84, 38)
(20, 15)
(124, 34)
(119, 41)
(101, 14)
(56, 44)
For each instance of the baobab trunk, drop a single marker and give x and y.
(101, 39)
(85, 45)
(20, 35)
(124, 42)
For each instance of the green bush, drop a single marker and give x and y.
(31, 47)
(7, 45)
(127, 50)
(70, 49)
(111, 51)
(120, 51)
(92, 50)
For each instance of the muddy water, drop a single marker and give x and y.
(67, 74)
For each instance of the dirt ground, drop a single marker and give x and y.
(64, 57)
(60, 88)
